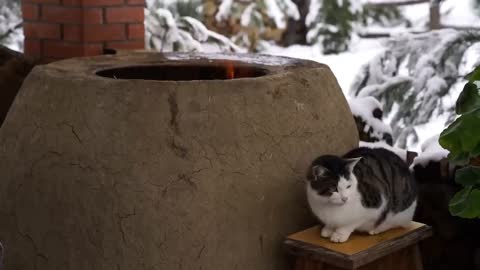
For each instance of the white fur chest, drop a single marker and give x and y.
(335, 215)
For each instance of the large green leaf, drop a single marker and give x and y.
(474, 75)
(468, 176)
(466, 203)
(469, 99)
(462, 137)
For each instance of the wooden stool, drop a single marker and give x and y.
(395, 249)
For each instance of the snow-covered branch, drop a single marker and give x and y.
(411, 77)
(169, 32)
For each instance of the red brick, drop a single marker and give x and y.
(92, 16)
(134, 2)
(42, 1)
(32, 47)
(61, 49)
(127, 45)
(72, 2)
(94, 33)
(105, 32)
(93, 3)
(72, 32)
(71, 15)
(125, 14)
(102, 2)
(29, 11)
(136, 31)
(41, 30)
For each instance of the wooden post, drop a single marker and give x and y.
(435, 15)
(395, 249)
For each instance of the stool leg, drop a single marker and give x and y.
(408, 258)
(307, 264)
(417, 256)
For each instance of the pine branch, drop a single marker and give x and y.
(396, 4)
(10, 31)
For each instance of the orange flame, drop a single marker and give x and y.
(230, 71)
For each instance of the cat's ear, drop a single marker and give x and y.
(351, 162)
(318, 171)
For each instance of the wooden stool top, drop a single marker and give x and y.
(359, 250)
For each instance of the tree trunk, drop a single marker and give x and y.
(435, 15)
(296, 31)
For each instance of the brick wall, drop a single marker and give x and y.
(58, 29)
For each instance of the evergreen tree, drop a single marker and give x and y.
(175, 26)
(252, 21)
(11, 24)
(411, 77)
(330, 24)
(384, 16)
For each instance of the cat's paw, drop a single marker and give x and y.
(373, 232)
(326, 232)
(339, 237)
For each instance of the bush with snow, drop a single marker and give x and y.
(11, 34)
(431, 152)
(330, 24)
(368, 113)
(257, 20)
(412, 75)
(401, 153)
(168, 30)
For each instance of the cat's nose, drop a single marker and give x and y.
(344, 199)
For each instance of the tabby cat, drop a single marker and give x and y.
(367, 190)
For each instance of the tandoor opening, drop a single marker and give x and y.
(183, 72)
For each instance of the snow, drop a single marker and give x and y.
(363, 108)
(200, 32)
(453, 13)
(274, 12)
(164, 31)
(360, 53)
(460, 13)
(290, 9)
(247, 58)
(224, 10)
(247, 15)
(10, 19)
(399, 152)
(380, 88)
(313, 10)
(431, 152)
(437, 124)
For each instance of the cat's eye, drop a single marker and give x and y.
(349, 186)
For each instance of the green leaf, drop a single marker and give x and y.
(474, 75)
(462, 136)
(468, 176)
(469, 99)
(458, 158)
(476, 151)
(466, 203)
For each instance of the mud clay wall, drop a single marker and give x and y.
(100, 173)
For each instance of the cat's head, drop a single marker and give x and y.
(331, 179)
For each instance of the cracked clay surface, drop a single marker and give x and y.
(104, 174)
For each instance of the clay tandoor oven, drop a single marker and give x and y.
(175, 161)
